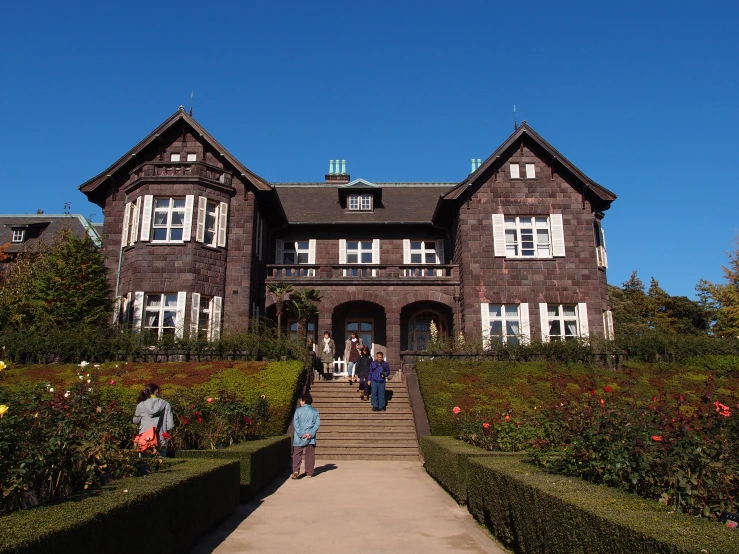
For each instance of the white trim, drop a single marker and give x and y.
(135, 225)
(530, 171)
(544, 321)
(499, 246)
(608, 330)
(440, 256)
(126, 230)
(187, 227)
(146, 218)
(558, 235)
(179, 325)
(406, 251)
(375, 251)
(311, 252)
(523, 311)
(582, 318)
(342, 251)
(202, 214)
(138, 310)
(215, 318)
(222, 223)
(194, 314)
(485, 320)
(515, 171)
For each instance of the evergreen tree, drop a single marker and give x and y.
(722, 300)
(70, 285)
(16, 288)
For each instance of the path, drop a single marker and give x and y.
(352, 507)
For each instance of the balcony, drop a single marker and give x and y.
(379, 274)
(164, 171)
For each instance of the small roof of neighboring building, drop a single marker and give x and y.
(306, 203)
(43, 226)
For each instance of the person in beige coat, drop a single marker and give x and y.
(352, 351)
(326, 353)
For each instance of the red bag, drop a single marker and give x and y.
(146, 440)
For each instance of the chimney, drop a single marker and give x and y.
(337, 174)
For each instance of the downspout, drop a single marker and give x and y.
(120, 255)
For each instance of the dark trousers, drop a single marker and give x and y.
(364, 385)
(310, 458)
(378, 395)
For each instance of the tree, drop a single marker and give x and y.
(722, 300)
(70, 284)
(16, 289)
(280, 290)
(302, 306)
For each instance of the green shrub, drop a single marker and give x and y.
(260, 461)
(167, 511)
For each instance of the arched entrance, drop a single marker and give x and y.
(416, 324)
(367, 319)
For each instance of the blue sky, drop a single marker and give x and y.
(640, 95)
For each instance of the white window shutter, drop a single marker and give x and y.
(138, 310)
(194, 314)
(499, 235)
(146, 217)
(544, 321)
(222, 223)
(187, 224)
(125, 231)
(558, 235)
(514, 171)
(525, 323)
(117, 303)
(406, 251)
(312, 251)
(342, 251)
(376, 251)
(440, 251)
(530, 171)
(582, 316)
(485, 319)
(136, 218)
(215, 318)
(608, 325)
(126, 307)
(179, 324)
(280, 252)
(603, 244)
(202, 214)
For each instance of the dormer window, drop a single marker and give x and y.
(18, 235)
(174, 158)
(362, 202)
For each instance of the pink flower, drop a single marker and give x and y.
(722, 409)
(111, 382)
(486, 425)
(607, 388)
(507, 418)
(456, 410)
(602, 402)
(209, 400)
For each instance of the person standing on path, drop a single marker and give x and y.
(363, 366)
(351, 354)
(306, 423)
(327, 353)
(154, 413)
(379, 371)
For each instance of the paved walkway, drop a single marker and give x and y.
(352, 507)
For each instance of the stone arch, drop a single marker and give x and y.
(425, 296)
(331, 301)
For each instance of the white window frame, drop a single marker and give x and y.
(296, 248)
(359, 252)
(409, 252)
(17, 238)
(516, 225)
(208, 311)
(563, 320)
(160, 310)
(515, 171)
(169, 210)
(360, 202)
(211, 211)
(174, 158)
(292, 246)
(192, 157)
(600, 246)
(504, 318)
(531, 171)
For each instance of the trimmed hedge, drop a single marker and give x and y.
(168, 510)
(260, 461)
(540, 513)
(447, 459)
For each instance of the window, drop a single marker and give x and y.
(419, 329)
(600, 245)
(292, 326)
(300, 252)
(204, 317)
(423, 252)
(360, 202)
(174, 158)
(505, 323)
(358, 252)
(211, 224)
(608, 325)
(563, 322)
(161, 314)
(530, 171)
(18, 235)
(514, 171)
(364, 330)
(169, 219)
(527, 237)
(297, 252)
(192, 157)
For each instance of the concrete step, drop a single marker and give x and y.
(365, 458)
(389, 434)
(360, 427)
(363, 442)
(354, 394)
(370, 450)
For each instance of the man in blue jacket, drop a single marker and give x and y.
(379, 372)
(306, 423)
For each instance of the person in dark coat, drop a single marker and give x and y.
(379, 372)
(363, 366)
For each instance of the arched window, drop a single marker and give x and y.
(419, 329)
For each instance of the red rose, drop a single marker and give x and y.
(654, 399)
(507, 418)
(196, 413)
(185, 421)
(607, 388)
(592, 392)
(200, 420)
(657, 438)
(456, 409)
(111, 382)
(247, 420)
(602, 402)
(166, 435)
(486, 425)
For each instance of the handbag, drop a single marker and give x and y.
(146, 440)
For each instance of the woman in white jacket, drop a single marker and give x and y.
(152, 411)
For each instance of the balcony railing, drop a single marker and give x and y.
(289, 272)
(182, 169)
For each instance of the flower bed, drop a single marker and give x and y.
(167, 511)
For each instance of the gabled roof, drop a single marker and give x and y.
(179, 115)
(525, 130)
(358, 184)
(44, 227)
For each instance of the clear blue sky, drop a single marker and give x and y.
(642, 96)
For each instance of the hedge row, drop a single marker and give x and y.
(260, 461)
(168, 511)
(540, 513)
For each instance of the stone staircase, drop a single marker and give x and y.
(350, 430)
